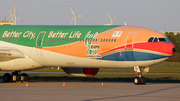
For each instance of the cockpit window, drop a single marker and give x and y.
(167, 40)
(162, 40)
(151, 39)
(155, 39)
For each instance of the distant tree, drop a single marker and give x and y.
(175, 58)
(175, 39)
(178, 34)
(171, 33)
(177, 47)
(166, 33)
(171, 38)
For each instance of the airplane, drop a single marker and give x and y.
(81, 50)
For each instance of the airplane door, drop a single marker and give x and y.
(39, 40)
(39, 45)
(129, 42)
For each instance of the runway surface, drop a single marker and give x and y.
(89, 91)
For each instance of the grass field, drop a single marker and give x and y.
(111, 77)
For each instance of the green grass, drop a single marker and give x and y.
(169, 63)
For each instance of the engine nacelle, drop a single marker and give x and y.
(81, 72)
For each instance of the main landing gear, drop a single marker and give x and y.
(15, 76)
(140, 80)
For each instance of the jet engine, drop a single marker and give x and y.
(81, 72)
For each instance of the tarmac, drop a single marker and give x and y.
(88, 91)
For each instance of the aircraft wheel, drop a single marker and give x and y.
(15, 77)
(143, 80)
(24, 77)
(7, 77)
(137, 80)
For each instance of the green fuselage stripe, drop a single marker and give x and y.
(51, 35)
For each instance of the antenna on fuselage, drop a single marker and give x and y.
(125, 24)
(111, 18)
(75, 15)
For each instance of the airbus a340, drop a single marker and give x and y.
(81, 50)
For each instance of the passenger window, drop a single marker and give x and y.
(151, 39)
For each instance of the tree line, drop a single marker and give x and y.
(175, 39)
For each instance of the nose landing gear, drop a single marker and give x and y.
(140, 80)
(16, 76)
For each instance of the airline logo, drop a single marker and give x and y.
(117, 33)
(92, 49)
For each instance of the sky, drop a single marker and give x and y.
(159, 15)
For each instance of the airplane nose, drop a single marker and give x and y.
(173, 49)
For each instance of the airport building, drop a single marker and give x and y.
(175, 32)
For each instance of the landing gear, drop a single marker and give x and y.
(140, 80)
(7, 77)
(24, 77)
(16, 76)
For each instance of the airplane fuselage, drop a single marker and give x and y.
(82, 46)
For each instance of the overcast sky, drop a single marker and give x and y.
(154, 14)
